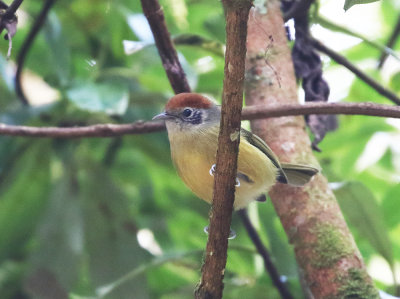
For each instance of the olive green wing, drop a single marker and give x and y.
(297, 174)
(262, 146)
(293, 174)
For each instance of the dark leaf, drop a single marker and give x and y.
(362, 211)
(308, 68)
(349, 3)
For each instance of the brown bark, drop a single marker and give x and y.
(249, 113)
(211, 284)
(324, 248)
(155, 16)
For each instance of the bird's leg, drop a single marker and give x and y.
(212, 171)
(232, 233)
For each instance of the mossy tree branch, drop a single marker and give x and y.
(324, 247)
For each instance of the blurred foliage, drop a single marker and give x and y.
(108, 217)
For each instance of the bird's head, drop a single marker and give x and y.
(189, 111)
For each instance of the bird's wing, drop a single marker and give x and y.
(263, 147)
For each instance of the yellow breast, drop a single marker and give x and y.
(193, 156)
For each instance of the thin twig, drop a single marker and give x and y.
(249, 113)
(155, 16)
(37, 25)
(371, 109)
(9, 13)
(262, 250)
(360, 74)
(101, 130)
(390, 43)
(318, 19)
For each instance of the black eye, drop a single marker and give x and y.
(187, 112)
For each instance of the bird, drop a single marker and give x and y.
(192, 121)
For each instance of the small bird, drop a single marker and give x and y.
(192, 122)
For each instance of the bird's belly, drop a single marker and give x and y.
(259, 169)
(194, 170)
(256, 173)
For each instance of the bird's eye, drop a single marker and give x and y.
(187, 112)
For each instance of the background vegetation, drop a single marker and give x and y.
(76, 216)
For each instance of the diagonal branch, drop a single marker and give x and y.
(390, 43)
(356, 71)
(155, 16)
(262, 250)
(318, 19)
(249, 113)
(37, 25)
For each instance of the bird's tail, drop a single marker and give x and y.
(296, 174)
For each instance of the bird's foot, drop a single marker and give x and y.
(232, 233)
(212, 171)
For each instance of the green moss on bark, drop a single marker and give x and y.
(330, 246)
(356, 284)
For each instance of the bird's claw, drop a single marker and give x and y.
(232, 233)
(212, 171)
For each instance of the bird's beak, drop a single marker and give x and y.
(163, 116)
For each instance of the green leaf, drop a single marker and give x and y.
(59, 48)
(60, 237)
(11, 276)
(196, 40)
(279, 247)
(362, 211)
(110, 234)
(156, 262)
(390, 206)
(350, 3)
(395, 82)
(24, 194)
(108, 97)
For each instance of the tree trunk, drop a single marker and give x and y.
(325, 249)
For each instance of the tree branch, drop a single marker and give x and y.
(390, 43)
(155, 16)
(318, 19)
(211, 283)
(278, 110)
(101, 130)
(37, 25)
(249, 113)
(268, 264)
(356, 71)
(9, 13)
